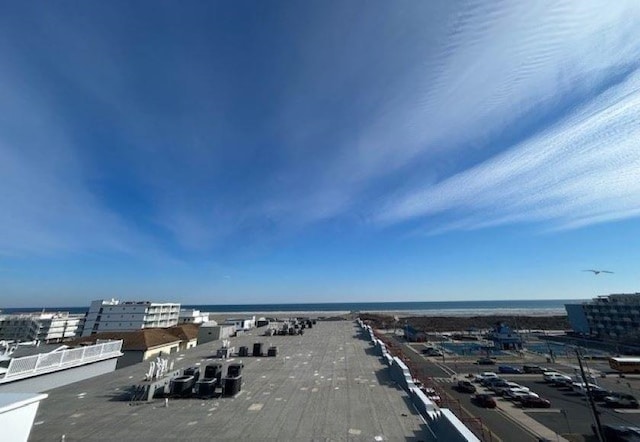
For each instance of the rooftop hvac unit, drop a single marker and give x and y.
(206, 387)
(257, 349)
(231, 386)
(272, 352)
(234, 370)
(243, 351)
(181, 386)
(192, 371)
(213, 371)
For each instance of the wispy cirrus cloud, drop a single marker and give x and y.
(582, 170)
(477, 122)
(159, 129)
(573, 74)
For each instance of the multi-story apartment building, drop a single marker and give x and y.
(45, 327)
(192, 316)
(116, 315)
(612, 317)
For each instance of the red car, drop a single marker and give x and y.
(484, 400)
(535, 402)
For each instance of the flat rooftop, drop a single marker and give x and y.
(324, 385)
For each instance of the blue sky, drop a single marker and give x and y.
(252, 151)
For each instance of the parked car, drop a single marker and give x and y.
(563, 381)
(484, 400)
(535, 402)
(619, 433)
(500, 388)
(485, 361)
(485, 376)
(497, 383)
(599, 395)
(517, 393)
(466, 387)
(507, 369)
(431, 351)
(621, 400)
(517, 396)
(553, 377)
(581, 387)
(548, 375)
(488, 382)
(533, 369)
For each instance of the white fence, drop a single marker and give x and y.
(48, 362)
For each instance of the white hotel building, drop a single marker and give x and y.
(45, 327)
(116, 315)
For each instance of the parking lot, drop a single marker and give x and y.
(569, 416)
(569, 412)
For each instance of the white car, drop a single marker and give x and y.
(502, 388)
(562, 381)
(554, 376)
(486, 375)
(516, 394)
(547, 375)
(581, 387)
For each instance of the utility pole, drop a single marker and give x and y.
(592, 405)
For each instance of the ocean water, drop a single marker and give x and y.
(546, 307)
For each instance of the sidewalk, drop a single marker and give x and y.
(522, 419)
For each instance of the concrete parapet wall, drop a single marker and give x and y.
(425, 406)
(448, 427)
(441, 421)
(400, 373)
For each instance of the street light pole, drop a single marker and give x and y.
(592, 405)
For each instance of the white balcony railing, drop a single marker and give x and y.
(47, 362)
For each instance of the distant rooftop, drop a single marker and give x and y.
(114, 301)
(146, 338)
(626, 298)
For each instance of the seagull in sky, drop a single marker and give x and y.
(596, 272)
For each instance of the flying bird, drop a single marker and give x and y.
(596, 272)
